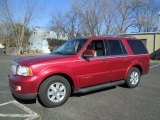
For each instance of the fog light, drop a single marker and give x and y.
(18, 88)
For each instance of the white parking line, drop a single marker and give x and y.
(154, 66)
(31, 115)
(6, 103)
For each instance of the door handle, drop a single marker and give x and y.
(103, 61)
(127, 58)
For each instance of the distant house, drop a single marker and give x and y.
(1, 49)
(38, 40)
(1, 46)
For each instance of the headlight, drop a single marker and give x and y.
(24, 71)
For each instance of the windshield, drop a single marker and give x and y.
(71, 47)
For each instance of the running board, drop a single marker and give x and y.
(98, 87)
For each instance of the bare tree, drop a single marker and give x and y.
(9, 16)
(108, 14)
(72, 24)
(124, 17)
(89, 14)
(107, 17)
(146, 14)
(6, 35)
(65, 24)
(58, 23)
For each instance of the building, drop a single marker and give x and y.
(38, 40)
(150, 39)
(1, 49)
(1, 46)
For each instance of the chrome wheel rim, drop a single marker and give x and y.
(134, 78)
(56, 92)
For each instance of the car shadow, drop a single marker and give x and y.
(23, 101)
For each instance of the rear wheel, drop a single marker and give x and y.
(133, 78)
(54, 91)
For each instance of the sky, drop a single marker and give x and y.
(50, 7)
(45, 9)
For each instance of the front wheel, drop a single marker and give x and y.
(54, 91)
(133, 78)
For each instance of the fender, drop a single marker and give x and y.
(132, 65)
(58, 70)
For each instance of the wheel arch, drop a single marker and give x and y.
(69, 79)
(138, 66)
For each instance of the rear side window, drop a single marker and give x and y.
(116, 47)
(137, 47)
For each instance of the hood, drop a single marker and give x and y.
(38, 59)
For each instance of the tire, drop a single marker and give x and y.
(133, 78)
(54, 91)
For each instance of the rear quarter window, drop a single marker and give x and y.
(137, 47)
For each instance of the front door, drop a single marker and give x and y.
(92, 71)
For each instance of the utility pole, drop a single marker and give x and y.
(159, 22)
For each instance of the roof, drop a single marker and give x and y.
(111, 38)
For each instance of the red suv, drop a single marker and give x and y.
(78, 66)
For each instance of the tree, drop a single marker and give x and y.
(58, 24)
(106, 17)
(89, 13)
(6, 35)
(146, 15)
(108, 14)
(9, 17)
(123, 15)
(65, 24)
(72, 24)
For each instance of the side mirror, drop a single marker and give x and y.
(88, 53)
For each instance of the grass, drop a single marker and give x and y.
(154, 61)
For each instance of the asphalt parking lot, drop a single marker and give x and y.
(117, 103)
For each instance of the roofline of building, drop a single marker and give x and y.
(142, 33)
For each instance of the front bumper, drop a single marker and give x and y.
(25, 96)
(23, 87)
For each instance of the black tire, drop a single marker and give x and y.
(48, 93)
(133, 78)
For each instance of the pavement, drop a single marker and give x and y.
(116, 103)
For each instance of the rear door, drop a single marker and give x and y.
(117, 59)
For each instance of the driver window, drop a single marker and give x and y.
(98, 47)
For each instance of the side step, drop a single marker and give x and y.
(98, 87)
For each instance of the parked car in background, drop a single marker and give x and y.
(78, 66)
(155, 55)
